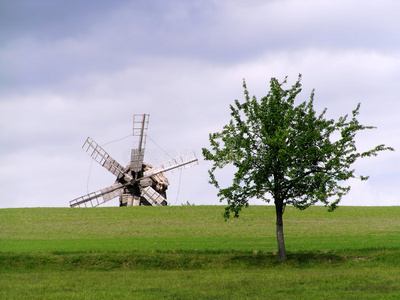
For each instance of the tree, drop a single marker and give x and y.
(286, 152)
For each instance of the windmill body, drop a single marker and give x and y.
(138, 183)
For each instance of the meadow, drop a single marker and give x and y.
(190, 252)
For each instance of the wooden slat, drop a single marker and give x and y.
(99, 197)
(184, 161)
(153, 197)
(104, 159)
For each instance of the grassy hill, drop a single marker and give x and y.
(195, 228)
(191, 252)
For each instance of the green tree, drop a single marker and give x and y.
(285, 151)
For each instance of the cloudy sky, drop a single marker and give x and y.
(73, 69)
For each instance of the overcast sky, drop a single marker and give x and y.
(73, 69)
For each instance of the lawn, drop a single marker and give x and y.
(190, 252)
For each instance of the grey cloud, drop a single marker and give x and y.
(101, 36)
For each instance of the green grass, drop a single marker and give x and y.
(190, 252)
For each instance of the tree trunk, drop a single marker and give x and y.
(279, 231)
(278, 178)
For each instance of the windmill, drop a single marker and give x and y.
(138, 183)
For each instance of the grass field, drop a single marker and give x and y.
(190, 252)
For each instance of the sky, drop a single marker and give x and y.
(73, 69)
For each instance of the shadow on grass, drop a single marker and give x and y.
(308, 259)
(189, 260)
(298, 259)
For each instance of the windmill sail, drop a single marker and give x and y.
(140, 126)
(186, 160)
(99, 197)
(152, 196)
(104, 159)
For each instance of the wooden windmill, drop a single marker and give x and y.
(138, 183)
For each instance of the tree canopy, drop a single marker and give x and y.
(286, 152)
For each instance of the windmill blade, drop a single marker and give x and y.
(99, 197)
(186, 160)
(140, 125)
(137, 157)
(152, 196)
(104, 159)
